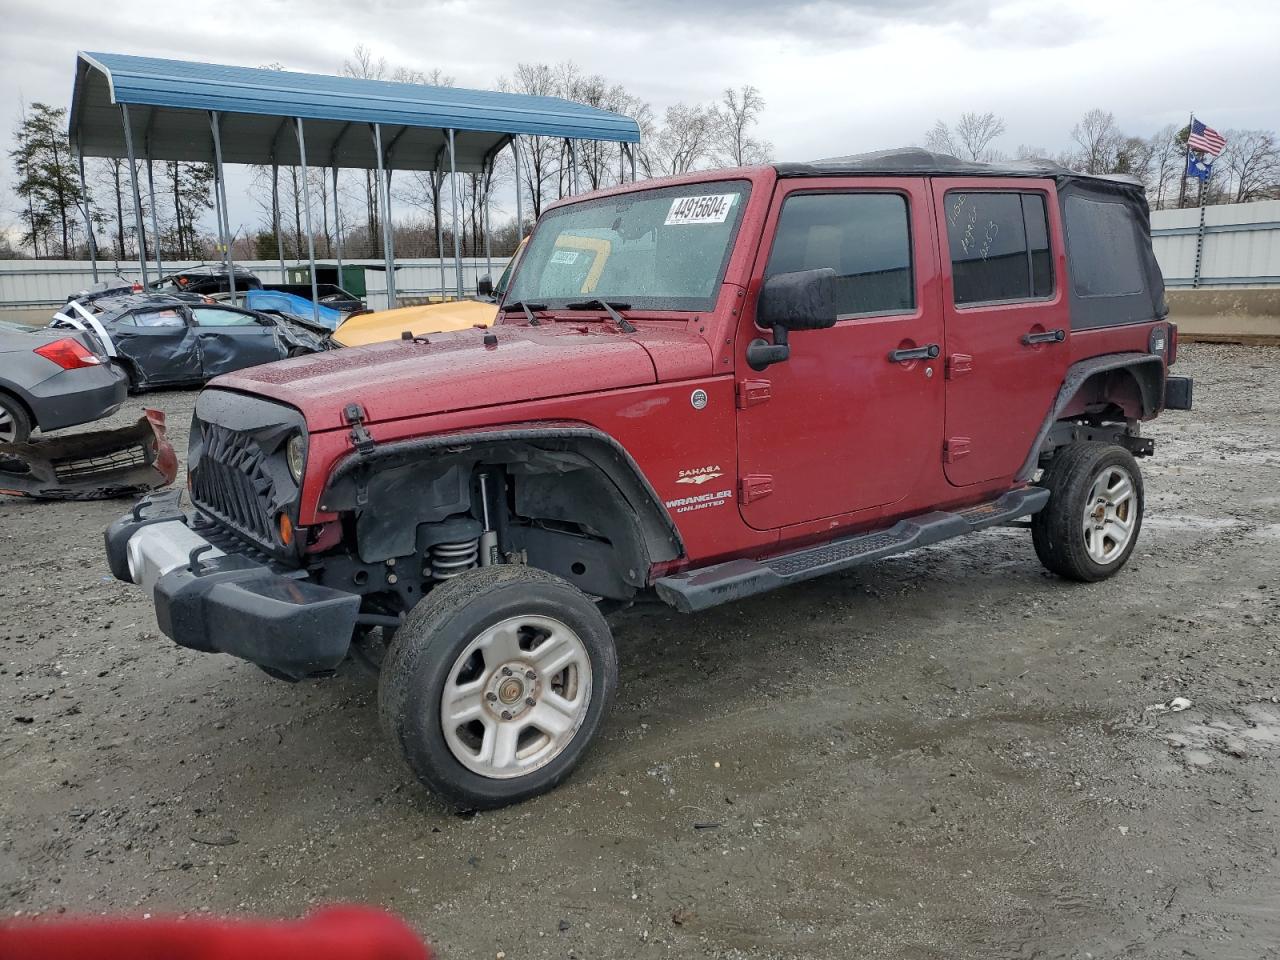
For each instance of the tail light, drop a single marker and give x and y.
(67, 353)
(1173, 345)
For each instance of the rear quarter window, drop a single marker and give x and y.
(1102, 244)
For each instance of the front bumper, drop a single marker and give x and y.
(217, 602)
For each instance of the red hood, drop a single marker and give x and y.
(456, 371)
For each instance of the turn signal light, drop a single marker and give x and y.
(286, 529)
(69, 354)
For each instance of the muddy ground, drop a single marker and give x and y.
(945, 755)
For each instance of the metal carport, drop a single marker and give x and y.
(143, 108)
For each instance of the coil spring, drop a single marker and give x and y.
(450, 559)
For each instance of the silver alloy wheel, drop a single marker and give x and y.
(516, 697)
(8, 428)
(1109, 514)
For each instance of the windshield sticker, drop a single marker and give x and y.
(565, 256)
(709, 209)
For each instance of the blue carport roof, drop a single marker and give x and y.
(170, 100)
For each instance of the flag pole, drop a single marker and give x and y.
(1186, 160)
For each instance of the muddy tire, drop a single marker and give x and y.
(15, 425)
(1091, 524)
(496, 684)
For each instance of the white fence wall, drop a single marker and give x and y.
(1238, 245)
(35, 284)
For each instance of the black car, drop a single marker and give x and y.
(181, 340)
(50, 380)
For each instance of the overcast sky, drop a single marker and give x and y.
(839, 76)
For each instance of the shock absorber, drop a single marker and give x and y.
(488, 539)
(450, 559)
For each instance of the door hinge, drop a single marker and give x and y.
(752, 392)
(959, 364)
(954, 448)
(754, 486)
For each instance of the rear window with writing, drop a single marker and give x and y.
(999, 244)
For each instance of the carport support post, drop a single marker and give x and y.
(385, 189)
(311, 240)
(573, 166)
(485, 178)
(224, 218)
(137, 197)
(155, 225)
(515, 149)
(438, 178)
(337, 224)
(275, 216)
(453, 202)
(88, 216)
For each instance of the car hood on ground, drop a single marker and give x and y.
(459, 371)
(383, 325)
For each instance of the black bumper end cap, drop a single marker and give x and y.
(289, 627)
(1177, 393)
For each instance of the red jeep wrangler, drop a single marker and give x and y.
(708, 386)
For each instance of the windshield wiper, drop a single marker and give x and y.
(527, 308)
(625, 325)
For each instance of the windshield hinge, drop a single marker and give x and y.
(360, 438)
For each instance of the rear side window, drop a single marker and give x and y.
(864, 237)
(214, 317)
(1103, 240)
(999, 244)
(153, 318)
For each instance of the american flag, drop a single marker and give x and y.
(1205, 138)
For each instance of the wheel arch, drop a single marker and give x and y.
(1134, 380)
(553, 446)
(10, 392)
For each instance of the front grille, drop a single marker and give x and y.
(231, 485)
(85, 468)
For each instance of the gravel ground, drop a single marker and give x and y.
(949, 754)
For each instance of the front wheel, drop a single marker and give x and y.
(1090, 526)
(496, 684)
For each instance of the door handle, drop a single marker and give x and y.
(927, 352)
(1048, 336)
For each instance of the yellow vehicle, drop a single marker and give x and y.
(375, 327)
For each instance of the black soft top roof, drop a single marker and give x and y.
(918, 162)
(1114, 275)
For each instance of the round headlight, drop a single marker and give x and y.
(295, 452)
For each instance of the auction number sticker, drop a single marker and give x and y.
(565, 256)
(713, 208)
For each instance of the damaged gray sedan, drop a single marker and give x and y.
(163, 340)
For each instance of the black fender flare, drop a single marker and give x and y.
(659, 534)
(1147, 369)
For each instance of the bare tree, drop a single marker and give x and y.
(1251, 161)
(971, 138)
(1097, 138)
(1167, 159)
(538, 155)
(736, 114)
(687, 139)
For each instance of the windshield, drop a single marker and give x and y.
(663, 249)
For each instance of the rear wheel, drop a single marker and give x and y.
(496, 684)
(1090, 526)
(15, 425)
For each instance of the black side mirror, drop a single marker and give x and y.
(484, 287)
(803, 300)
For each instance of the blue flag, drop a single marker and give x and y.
(1198, 167)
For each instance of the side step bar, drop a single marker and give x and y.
(736, 579)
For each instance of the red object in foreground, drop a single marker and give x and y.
(335, 933)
